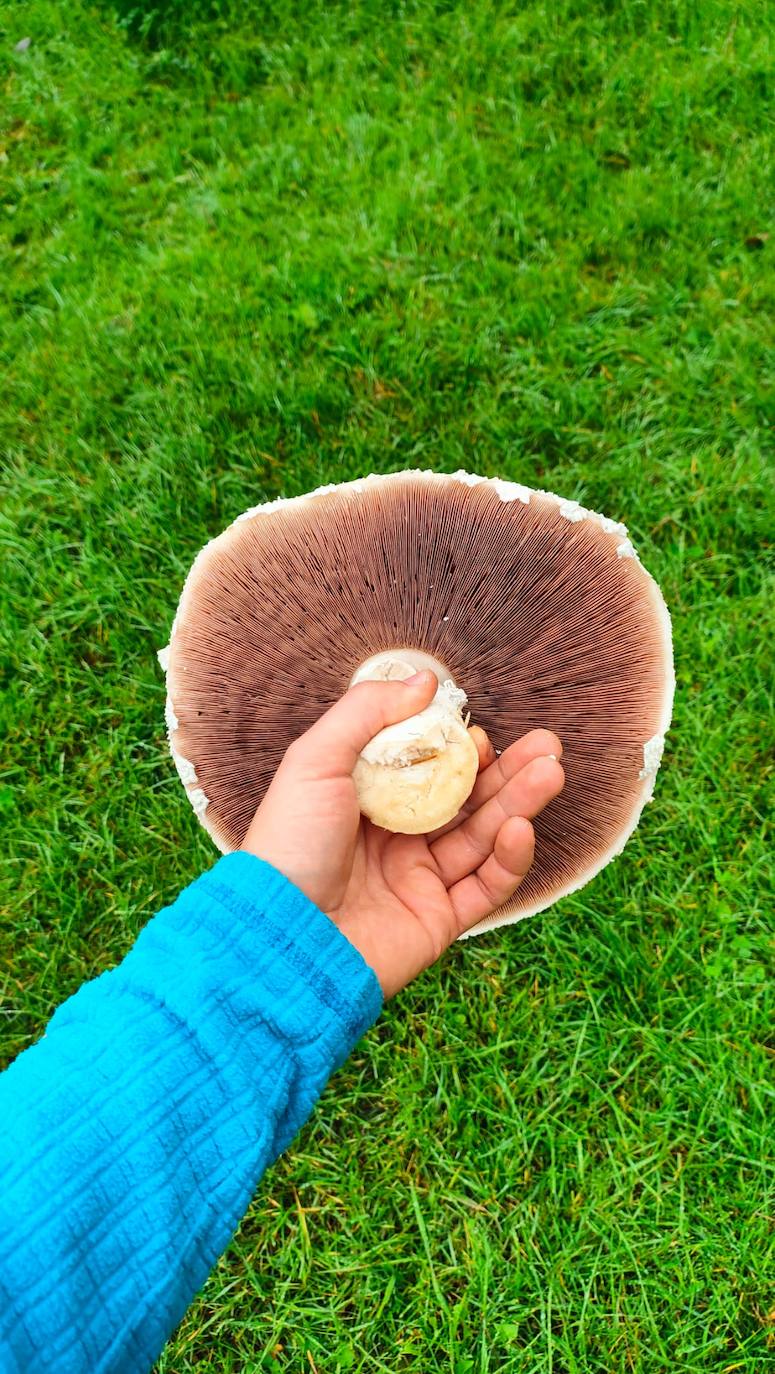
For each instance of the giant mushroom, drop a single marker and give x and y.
(532, 611)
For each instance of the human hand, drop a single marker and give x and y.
(401, 900)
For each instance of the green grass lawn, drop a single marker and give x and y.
(286, 244)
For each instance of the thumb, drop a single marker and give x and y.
(331, 747)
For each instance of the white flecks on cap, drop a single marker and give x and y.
(625, 550)
(198, 800)
(248, 514)
(351, 488)
(169, 715)
(652, 756)
(163, 656)
(612, 526)
(571, 510)
(185, 768)
(467, 479)
(510, 491)
(506, 491)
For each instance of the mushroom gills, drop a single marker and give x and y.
(538, 606)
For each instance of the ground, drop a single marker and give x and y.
(250, 249)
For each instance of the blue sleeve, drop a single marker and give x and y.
(132, 1136)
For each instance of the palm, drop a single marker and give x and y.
(400, 899)
(397, 899)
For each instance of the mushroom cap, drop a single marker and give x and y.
(540, 609)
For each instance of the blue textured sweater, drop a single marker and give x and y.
(133, 1134)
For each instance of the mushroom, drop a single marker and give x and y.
(534, 609)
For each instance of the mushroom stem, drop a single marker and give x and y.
(414, 776)
(397, 664)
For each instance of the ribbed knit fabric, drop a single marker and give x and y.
(132, 1136)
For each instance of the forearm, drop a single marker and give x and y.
(134, 1133)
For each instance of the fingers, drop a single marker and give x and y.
(333, 743)
(466, 847)
(536, 744)
(497, 879)
(484, 748)
(496, 770)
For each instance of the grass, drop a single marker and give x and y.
(263, 248)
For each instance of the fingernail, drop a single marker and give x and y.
(417, 678)
(551, 756)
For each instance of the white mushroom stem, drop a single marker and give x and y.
(414, 776)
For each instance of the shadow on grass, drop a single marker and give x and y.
(158, 23)
(218, 44)
(162, 23)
